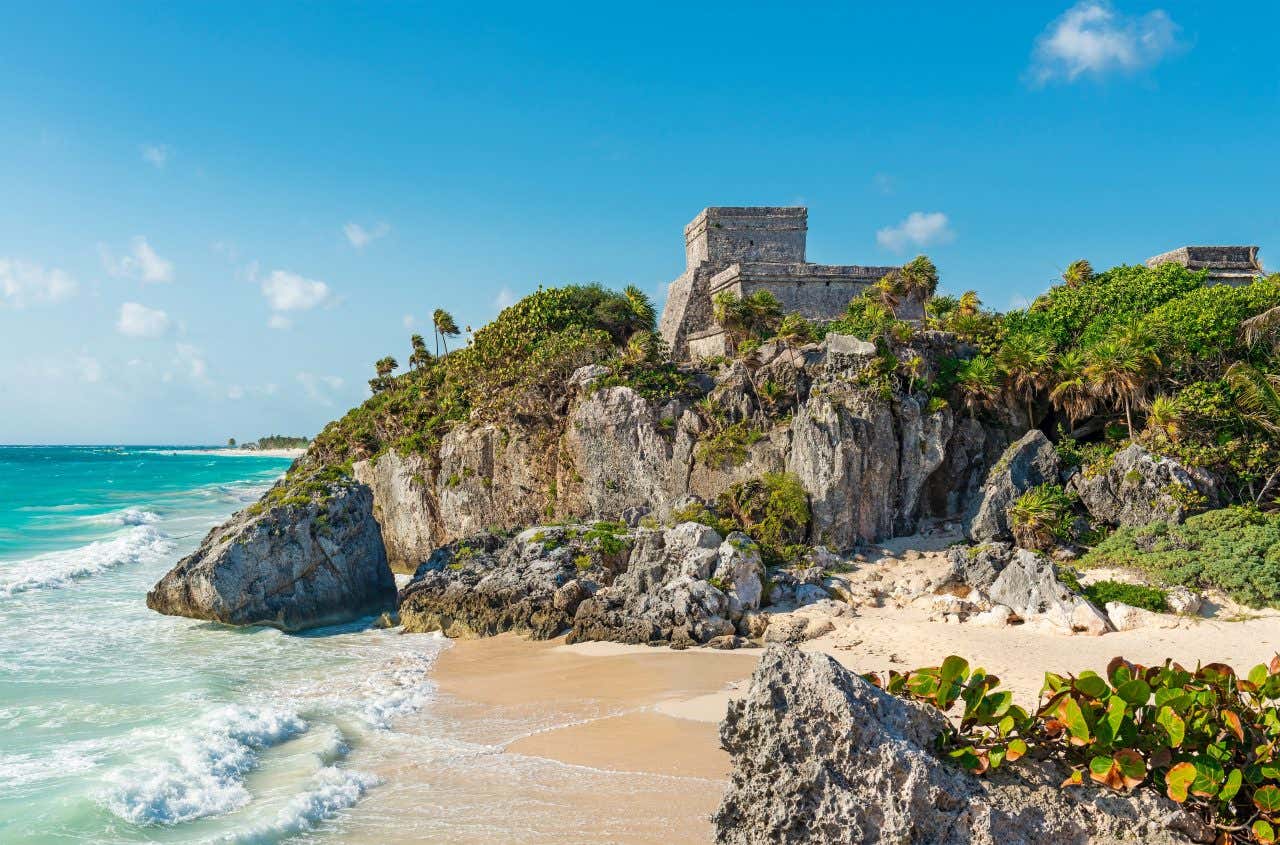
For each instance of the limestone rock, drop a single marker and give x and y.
(1139, 488)
(821, 756)
(978, 566)
(1126, 617)
(738, 570)
(1183, 600)
(1029, 462)
(402, 505)
(1029, 586)
(291, 567)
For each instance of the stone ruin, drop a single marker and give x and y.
(1227, 265)
(747, 249)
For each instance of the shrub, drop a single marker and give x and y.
(1041, 517)
(728, 446)
(1137, 595)
(1236, 550)
(773, 510)
(1207, 739)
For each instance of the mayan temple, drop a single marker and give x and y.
(747, 249)
(1227, 265)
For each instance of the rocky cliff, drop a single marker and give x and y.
(873, 453)
(822, 756)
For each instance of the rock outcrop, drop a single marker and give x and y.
(1138, 488)
(875, 458)
(1029, 462)
(1029, 586)
(684, 585)
(292, 566)
(821, 756)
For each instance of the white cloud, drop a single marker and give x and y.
(504, 299)
(280, 322)
(360, 237)
(140, 321)
(157, 155)
(235, 391)
(141, 262)
(1092, 38)
(319, 388)
(23, 284)
(191, 361)
(408, 321)
(287, 291)
(919, 229)
(884, 183)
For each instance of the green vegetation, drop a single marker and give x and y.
(1041, 517)
(773, 510)
(756, 316)
(1207, 739)
(1136, 595)
(1236, 550)
(513, 372)
(274, 441)
(727, 447)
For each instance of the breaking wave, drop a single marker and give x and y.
(54, 570)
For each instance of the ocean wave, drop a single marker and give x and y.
(207, 778)
(330, 791)
(128, 516)
(54, 570)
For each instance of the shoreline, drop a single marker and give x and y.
(292, 454)
(652, 712)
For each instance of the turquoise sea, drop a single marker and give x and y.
(120, 725)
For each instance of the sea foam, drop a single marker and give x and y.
(54, 570)
(207, 778)
(330, 791)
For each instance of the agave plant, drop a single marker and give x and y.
(979, 382)
(1041, 517)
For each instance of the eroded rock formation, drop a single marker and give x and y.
(292, 566)
(822, 756)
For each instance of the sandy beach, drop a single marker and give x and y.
(249, 453)
(643, 722)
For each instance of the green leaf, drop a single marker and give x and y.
(1092, 686)
(1131, 766)
(1074, 719)
(1017, 748)
(1258, 675)
(1136, 692)
(954, 668)
(1178, 780)
(1264, 832)
(1267, 799)
(1173, 725)
(1232, 786)
(1209, 778)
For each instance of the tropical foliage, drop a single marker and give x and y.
(1206, 738)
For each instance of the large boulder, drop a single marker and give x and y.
(1138, 488)
(1028, 584)
(1028, 462)
(403, 505)
(292, 566)
(821, 756)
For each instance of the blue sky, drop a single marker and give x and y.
(215, 217)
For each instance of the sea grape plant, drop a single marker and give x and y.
(1208, 739)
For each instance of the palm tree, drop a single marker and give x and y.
(757, 315)
(1072, 393)
(384, 367)
(1027, 361)
(919, 278)
(887, 292)
(979, 381)
(420, 357)
(1264, 325)
(1165, 417)
(969, 304)
(1257, 395)
(641, 306)
(445, 327)
(1077, 273)
(1118, 371)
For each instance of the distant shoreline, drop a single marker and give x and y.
(248, 453)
